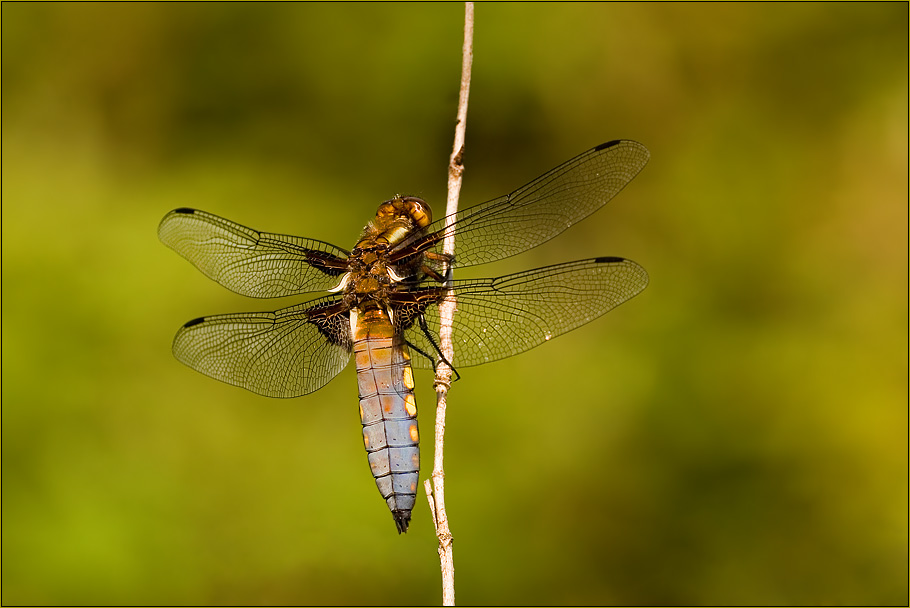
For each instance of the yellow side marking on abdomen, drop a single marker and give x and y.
(410, 405)
(408, 378)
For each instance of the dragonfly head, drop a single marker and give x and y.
(396, 220)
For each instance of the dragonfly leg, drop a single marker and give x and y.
(426, 331)
(415, 348)
(432, 273)
(441, 259)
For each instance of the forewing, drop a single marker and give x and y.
(287, 353)
(501, 317)
(251, 263)
(538, 211)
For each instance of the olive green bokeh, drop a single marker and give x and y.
(737, 434)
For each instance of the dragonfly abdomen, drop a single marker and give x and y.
(388, 411)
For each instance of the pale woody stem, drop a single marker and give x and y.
(446, 314)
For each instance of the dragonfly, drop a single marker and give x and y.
(382, 299)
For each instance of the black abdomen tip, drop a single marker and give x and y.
(402, 519)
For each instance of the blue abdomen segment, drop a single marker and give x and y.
(388, 412)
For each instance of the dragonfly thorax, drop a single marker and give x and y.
(370, 275)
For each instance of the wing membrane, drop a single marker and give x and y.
(540, 210)
(251, 263)
(287, 353)
(501, 317)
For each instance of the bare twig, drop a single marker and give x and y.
(436, 497)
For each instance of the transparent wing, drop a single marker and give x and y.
(501, 317)
(287, 353)
(538, 211)
(251, 263)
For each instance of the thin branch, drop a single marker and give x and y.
(436, 497)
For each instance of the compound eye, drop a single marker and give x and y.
(419, 211)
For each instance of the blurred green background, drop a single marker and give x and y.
(737, 434)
